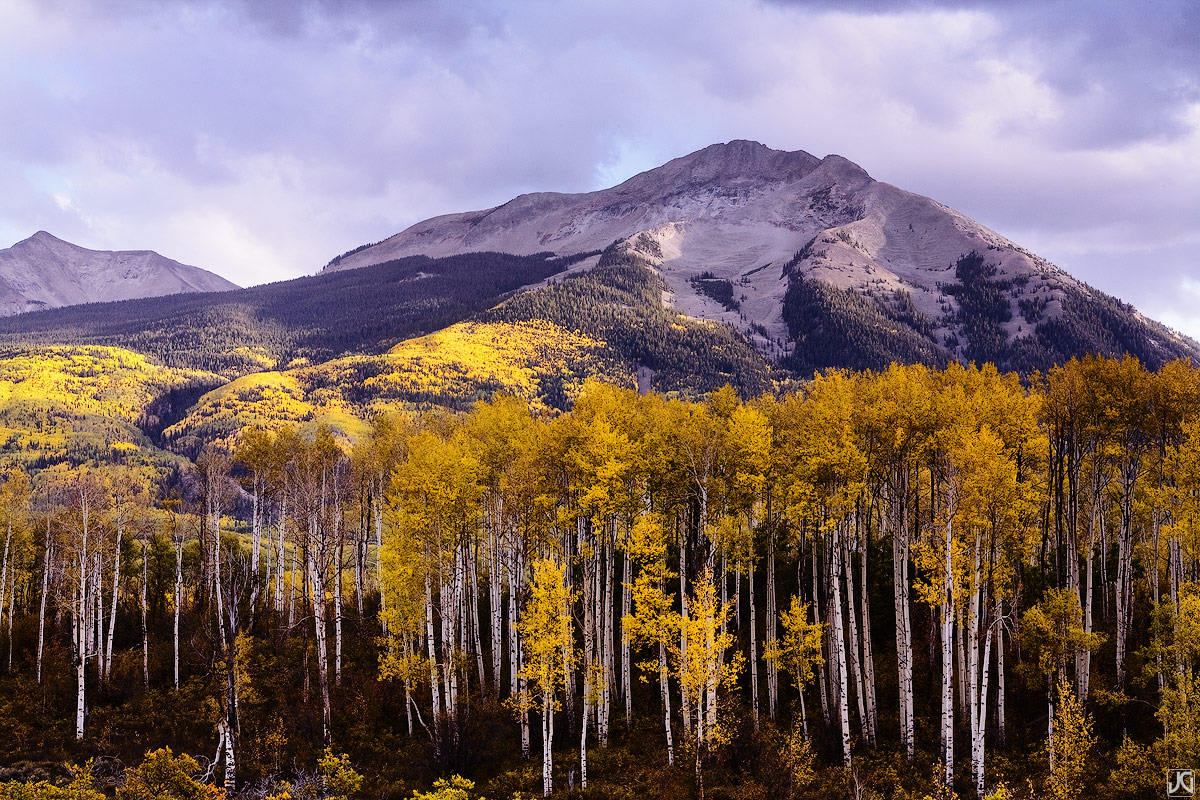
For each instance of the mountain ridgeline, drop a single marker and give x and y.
(44, 272)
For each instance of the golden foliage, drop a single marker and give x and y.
(1071, 746)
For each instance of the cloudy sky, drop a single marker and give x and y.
(260, 138)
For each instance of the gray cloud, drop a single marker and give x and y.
(260, 138)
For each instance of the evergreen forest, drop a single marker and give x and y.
(903, 583)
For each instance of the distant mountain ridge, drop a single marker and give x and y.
(815, 262)
(44, 271)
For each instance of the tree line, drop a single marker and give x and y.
(913, 582)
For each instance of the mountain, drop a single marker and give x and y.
(43, 271)
(817, 263)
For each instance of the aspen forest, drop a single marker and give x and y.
(906, 583)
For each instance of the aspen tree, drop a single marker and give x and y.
(798, 651)
(1051, 633)
(375, 459)
(897, 423)
(318, 472)
(1126, 420)
(88, 494)
(748, 448)
(1070, 746)
(255, 450)
(129, 492)
(1069, 414)
(545, 632)
(47, 562)
(433, 498)
(824, 483)
(402, 620)
(698, 664)
(653, 622)
(146, 543)
(178, 535)
(1179, 709)
(500, 432)
(14, 506)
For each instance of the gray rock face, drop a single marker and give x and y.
(43, 271)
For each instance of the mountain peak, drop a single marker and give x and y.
(43, 238)
(774, 242)
(737, 161)
(45, 271)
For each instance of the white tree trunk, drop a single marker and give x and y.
(337, 614)
(606, 648)
(476, 635)
(82, 621)
(145, 617)
(852, 637)
(904, 653)
(4, 567)
(431, 651)
(97, 630)
(12, 615)
(665, 692)
(178, 602)
(377, 513)
(769, 635)
(626, 609)
(317, 588)
(495, 587)
(947, 650)
(753, 645)
(979, 734)
(112, 616)
(547, 741)
(279, 557)
(1083, 661)
(230, 762)
(839, 647)
(42, 607)
(255, 527)
(583, 728)
(1000, 728)
(685, 698)
(822, 672)
(868, 658)
(1124, 574)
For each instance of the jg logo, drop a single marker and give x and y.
(1181, 783)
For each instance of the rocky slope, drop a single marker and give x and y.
(45, 272)
(735, 227)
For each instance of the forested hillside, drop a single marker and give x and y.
(306, 320)
(884, 584)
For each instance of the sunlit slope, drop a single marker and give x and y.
(473, 360)
(452, 368)
(75, 404)
(270, 400)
